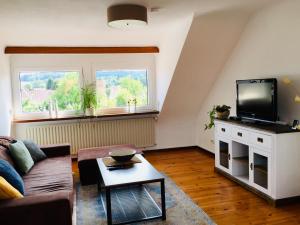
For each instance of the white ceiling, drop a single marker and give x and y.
(84, 21)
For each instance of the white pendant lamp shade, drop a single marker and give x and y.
(127, 16)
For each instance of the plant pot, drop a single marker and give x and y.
(223, 115)
(89, 112)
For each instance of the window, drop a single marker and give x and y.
(116, 87)
(38, 79)
(37, 88)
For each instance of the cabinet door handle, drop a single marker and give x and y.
(261, 140)
(240, 134)
(251, 166)
(223, 129)
(228, 156)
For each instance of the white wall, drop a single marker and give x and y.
(5, 95)
(209, 42)
(170, 49)
(269, 47)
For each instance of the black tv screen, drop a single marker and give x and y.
(257, 99)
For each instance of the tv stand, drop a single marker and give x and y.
(262, 158)
(260, 125)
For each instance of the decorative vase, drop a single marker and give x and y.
(89, 111)
(55, 108)
(51, 110)
(223, 115)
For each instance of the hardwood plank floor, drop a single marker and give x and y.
(223, 200)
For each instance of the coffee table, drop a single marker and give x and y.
(125, 187)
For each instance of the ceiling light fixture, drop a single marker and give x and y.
(126, 16)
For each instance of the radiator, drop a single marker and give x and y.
(139, 132)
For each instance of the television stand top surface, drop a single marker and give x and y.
(267, 127)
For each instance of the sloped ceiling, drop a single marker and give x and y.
(208, 45)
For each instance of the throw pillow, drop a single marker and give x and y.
(7, 191)
(11, 175)
(21, 156)
(36, 153)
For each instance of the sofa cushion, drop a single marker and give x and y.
(21, 156)
(7, 191)
(11, 176)
(36, 153)
(4, 154)
(49, 175)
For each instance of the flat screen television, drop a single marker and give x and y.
(257, 99)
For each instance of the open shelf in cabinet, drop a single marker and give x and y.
(244, 178)
(240, 161)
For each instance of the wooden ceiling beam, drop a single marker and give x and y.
(78, 50)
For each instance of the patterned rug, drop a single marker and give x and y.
(181, 210)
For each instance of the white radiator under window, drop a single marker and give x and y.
(139, 132)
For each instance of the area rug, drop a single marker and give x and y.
(181, 210)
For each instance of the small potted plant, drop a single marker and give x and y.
(222, 113)
(89, 99)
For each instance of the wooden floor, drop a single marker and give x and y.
(223, 200)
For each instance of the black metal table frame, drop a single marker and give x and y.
(108, 202)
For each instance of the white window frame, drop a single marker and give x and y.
(16, 86)
(88, 64)
(130, 66)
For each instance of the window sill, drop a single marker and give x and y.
(105, 116)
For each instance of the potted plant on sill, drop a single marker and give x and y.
(89, 99)
(219, 111)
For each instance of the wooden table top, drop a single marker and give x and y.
(139, 173)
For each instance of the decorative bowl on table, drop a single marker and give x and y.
(122, 155)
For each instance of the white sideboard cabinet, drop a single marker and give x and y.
(263, 158)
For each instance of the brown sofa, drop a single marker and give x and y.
(48, 197)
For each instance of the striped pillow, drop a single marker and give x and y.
(7, 191)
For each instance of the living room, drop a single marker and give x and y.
(79, 82)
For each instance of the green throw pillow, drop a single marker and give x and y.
(21, 156)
